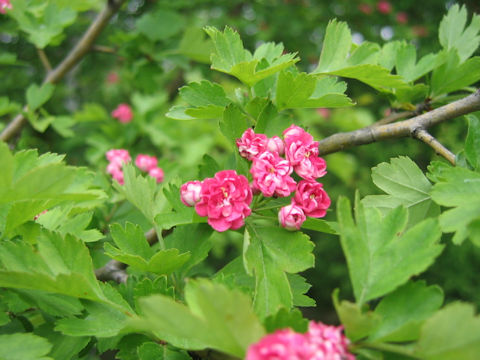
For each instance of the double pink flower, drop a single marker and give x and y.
(118, 157)
(321, 342)
(123, 113)
(224, 199)
(4, 6)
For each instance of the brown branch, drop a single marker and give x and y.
(104, 49)
(427, 138)
(402, 115)
(44, 59)
(115, 270)
(368, 135)
(72, 58)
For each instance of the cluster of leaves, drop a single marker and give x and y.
(173, 304)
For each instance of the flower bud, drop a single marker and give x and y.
(291, 217)
(123, 113)
(190, 192)
(145, 162)
(157, 173)
(276, 145)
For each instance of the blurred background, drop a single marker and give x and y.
(153, 47)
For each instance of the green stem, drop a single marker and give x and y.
(392, 348)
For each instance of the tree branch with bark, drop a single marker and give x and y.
(73, 57)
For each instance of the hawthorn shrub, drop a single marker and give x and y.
(194, 226)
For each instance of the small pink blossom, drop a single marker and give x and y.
(294, 133)
(280, 345)
(123, 113)
(401, 17)
(384, 7)
(225, 200)
(271, 174)
(146, 162)
(4, 6)
(299, 144)
(112, 77)
(312, 198)
(251, 145)
(276, 145)
(118, 156)
(156, 173)
(324, 112)
(311, 167)
(328, 342)
(291, 217)
(365, 8)
(116, 171)
(190, 192)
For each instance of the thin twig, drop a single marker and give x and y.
(72, 58)
(104, 49)
(44, 59)
(427, 138)
(368, 135)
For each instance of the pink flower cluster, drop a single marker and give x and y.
(272, 173)
(4, 6)
(321, 342)
(123, 113)
(118, 157)
(224, 199)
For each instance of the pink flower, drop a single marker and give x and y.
(190, 192)
(402, 17)
(365, 8)
(271, 175)
(118, 156)
(280, 345)
(145, 162)
(328, 342)
(324, 112)
(224, 200)
(251, 145)
(311, 167)
(321, 342)
(5, 5)
(291, 217)
(384, 7)
(123, 113)
(156, 173)
(311, 198)
(115, 170)
(294, 133)
(276, 145)
(299, 144)
(112, 77)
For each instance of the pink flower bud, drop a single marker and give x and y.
(402, 17)
(5, 5)
(276, 145)
(384, 7)
(190, 192)
(118, 156)
(123, 113)
(323, 112)
(291, 217)
(145, 162)
(157, 173)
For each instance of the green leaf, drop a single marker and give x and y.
(160, 24)
(154, 351)
(206, 100)
(216, 317)
(336, 47)
(458, 188)
(358, 321)
(102, 321)
(39, 95)
(270, 252)
(14, 347)
(142, 192)
(230, 57)
(131, 240)
(472, 144)
(405, 185)
(453, 75)
(194, 45)
(299, 287)
(307, 91)
(60, 265)
(454, 34)
(63, 347)
(440, 340)
(407, 66)
(286, 319)
(233, 124)
(52, 304)
(404, 311)
(380, 255)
